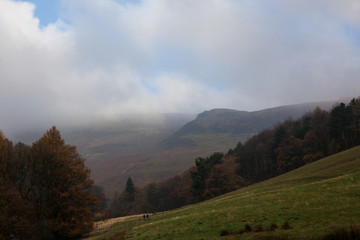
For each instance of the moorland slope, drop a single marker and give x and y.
(306, 203)
(150, 154)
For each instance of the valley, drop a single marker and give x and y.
(306, 203)
(156, 150)
(151, 148)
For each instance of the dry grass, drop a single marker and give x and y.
(106, 225)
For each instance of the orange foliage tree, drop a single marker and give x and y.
(60, 188)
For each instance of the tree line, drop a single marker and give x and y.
(45, 190)
(271, 152)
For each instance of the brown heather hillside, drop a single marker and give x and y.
(155, 152)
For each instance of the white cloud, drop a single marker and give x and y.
(115, 57)
(32, 60)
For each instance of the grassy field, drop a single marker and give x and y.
(306, 203)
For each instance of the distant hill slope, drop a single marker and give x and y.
(151, 148)
(306, 203)
(212, 131)
(240, 124)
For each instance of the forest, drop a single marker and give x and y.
(274, 151)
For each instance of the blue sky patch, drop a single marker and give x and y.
(47, 11)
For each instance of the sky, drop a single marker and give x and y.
(72, 61)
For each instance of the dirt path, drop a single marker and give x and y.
(105, 225)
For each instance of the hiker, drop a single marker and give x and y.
(147, 216)
(144, 217)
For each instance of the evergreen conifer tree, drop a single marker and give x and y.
(130, 190)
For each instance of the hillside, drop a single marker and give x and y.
(158, 150)
(212, 131)
(235, 125)
(306, 203)
(154, 147)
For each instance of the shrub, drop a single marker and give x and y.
(286, 225)
(273, 227)
(345, 234)
(247, 228)
(224, 232)
(259, 228)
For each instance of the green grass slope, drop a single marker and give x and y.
(309, 202)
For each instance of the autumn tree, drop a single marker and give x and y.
(222, 179)
(16, 215)
(355, 121)
(203, 169)
(6, 153)
(60, 188)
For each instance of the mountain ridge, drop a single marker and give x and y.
(232, 121)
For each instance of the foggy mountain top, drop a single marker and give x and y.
(103, 126)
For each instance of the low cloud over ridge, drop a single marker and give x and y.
(108, 58)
